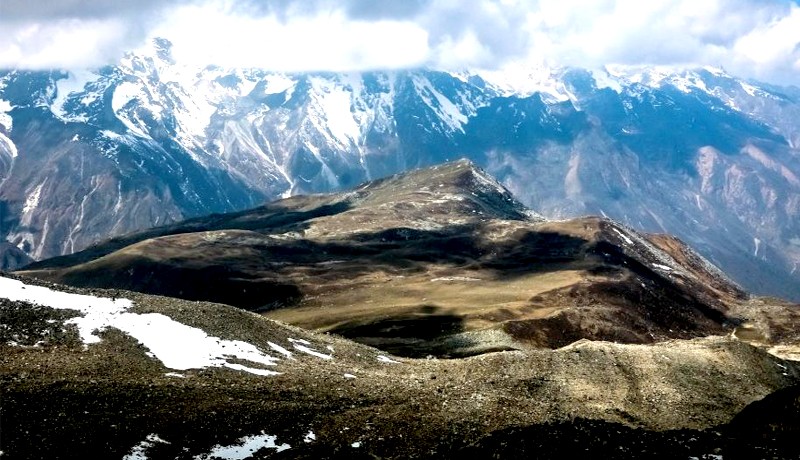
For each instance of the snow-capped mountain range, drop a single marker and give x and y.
(697, 153)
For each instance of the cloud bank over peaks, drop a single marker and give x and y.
(751, 38)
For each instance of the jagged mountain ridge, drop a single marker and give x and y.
(147, 142)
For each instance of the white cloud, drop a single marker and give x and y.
(747, 37)
(774, 46)
(752, 38)
(325, 41)
(62, 43)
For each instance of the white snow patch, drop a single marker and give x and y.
(749, 89)
(278, 83)
(5, 118)
(525, 80)
(349, 376)
(74, 83)
(197, 349)
(310, 437)
(139, 451)
(280, 350)
(603, 79)
(245, 448)
(111, 134)
(336, 109)
(446, 198)
(176, 345)
(175, 374)
(386, 359)
(488, 183)
(8, 144)
(685, 80)
(663, 267)
(303, 345)
(32, 201)
(446, 110)
(124, 93)
(623, 236)
(356, 445)
(688, 81)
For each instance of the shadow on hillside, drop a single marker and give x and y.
(271, 218)
(409, 249)
(412, 335)
(767, 428)
(582, 438)
(262, 274)
(215, 283)
(639, 305)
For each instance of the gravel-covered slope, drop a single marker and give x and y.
(72, 388)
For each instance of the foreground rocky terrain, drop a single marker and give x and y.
(114, 374)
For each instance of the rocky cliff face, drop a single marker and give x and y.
(700, 154)
(12, 257)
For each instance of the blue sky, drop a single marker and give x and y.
(752, 38)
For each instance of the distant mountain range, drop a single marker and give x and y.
(697, 153)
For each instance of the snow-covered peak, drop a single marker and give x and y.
(278, 83)
(156, 53)
(522, 80)
(684, 79)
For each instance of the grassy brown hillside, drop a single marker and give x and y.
(440, 261)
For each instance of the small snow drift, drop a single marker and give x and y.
(176, 345)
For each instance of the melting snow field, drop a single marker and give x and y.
(139, 452)
(175, 344)
(245, 448)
